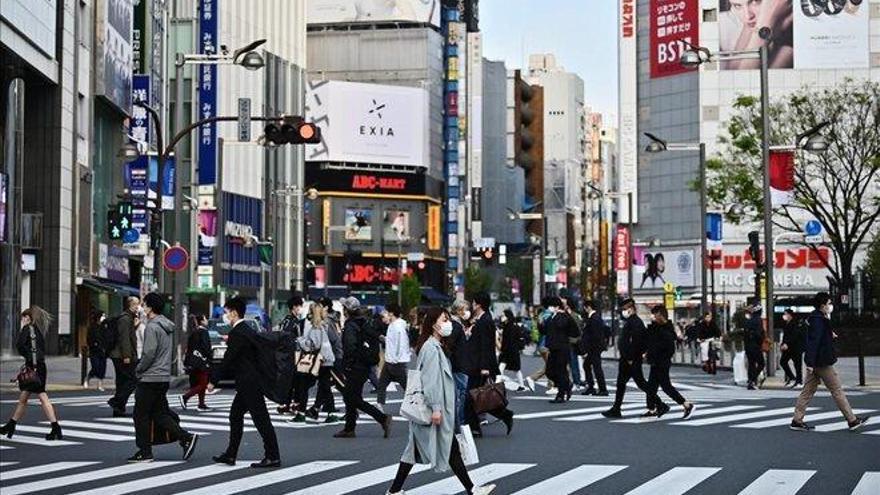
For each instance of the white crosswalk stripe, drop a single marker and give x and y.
(702, 410)
(88, 476)
(732, 418)
(165, 479)
(269, 478)
(28, 440)
(9, 463)
(183, 424)
(355, 482)
(571, 481)
(6, 447)
(635, 410)
(676, 481)
(43, 469)
(869, 484)
(779, 482)
(88, 435)
(480, 476)
(787, 420)
(568, 412)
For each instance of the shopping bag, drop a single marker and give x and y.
(740, 374)
(413, 407)
(467, 446)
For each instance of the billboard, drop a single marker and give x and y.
(809, 34)
(35, 19)
(114, 61)
(671, 22)
(628, 109)
(395, 225)
(373, 11)
(359, 224)
(653, 268)
(207, 93)
(369, 123)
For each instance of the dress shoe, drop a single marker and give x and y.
(8, 429)
(602, 393)
(590, 391)
(508, 421)
(612, 413)
(267, 463)
(224, 458)
(557, 400)
(55, 432)
(344, 434)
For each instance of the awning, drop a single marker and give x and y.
(108, 286)
(433, 296)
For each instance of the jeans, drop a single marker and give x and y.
(461, 393)
(575, 367)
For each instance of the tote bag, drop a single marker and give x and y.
(413, 407)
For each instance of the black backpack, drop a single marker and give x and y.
(368, 343)
(109, 332)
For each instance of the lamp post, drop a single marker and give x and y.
(658, 145)
(518, 215)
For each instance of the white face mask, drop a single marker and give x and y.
(552, 309)
(467, 315)
(829, 309)
(226, 319)
(627, 313)
(446, 329)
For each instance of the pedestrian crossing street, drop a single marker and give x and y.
(339, 477)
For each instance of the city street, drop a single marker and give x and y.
(737, 441)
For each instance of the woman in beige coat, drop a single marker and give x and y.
(435, 444)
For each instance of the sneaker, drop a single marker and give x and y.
(189, 446)
(483, 490)
(100, 388)
(800, 426)
(530, 383)
(86, 384)
(203, 407)
(551, 391)
(182, 401)
(612, 413)
(688, 410)
(751, 387)
(858, 423)
(312, 413)
(648, 415)
(331, 418)
(140, 457)
(299, 418)
(787, 382)
(761, 379)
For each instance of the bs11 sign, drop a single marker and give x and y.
(671, 22)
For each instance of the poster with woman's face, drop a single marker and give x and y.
(740, 22)
(396, 225)
(358, 224)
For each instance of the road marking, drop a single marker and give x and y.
(732, 418)
(6, 447)
(96, 426)
(194, 426)
(779, 482)
(787, 420)
(74, 479)
(700, 411)
(481, 476)
(873, 432)
(572, 480)
(356, 482)
(869, 484)
(43, 469)
(269, 478)
(165, 479)
(10, 463)
(676, 481)
(38, 441)
(89, 435)
(634, 410)
(566, 412)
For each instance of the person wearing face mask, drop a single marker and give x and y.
(819, 359)
(792, 349)
(461, 355)
(435, 443)
(123, 354)
(512, 343)
(754, 338)
(660, 347)
(559, 328)
(397, 352)
(292, 328)
(631, 344)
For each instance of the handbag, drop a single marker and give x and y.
(413, 407)
(467, 446)
(489, 397)
(309, 362)
(28, 379)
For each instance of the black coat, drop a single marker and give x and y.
(793, 336)
(559, 329)
(483, 334)
(660, 343)
(26, 350)
(819, 344)
(754, 334)
(96, 341)
(707, 331)
(511, 345)
(594, 334)
(246, 361)
(463, 351)
(631, 342)
(352, 341)
(198, 340)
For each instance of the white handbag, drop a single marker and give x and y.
(467, 446)
(413, 407)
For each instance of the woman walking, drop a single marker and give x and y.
(197, 361)
(31, 345)
(324, 338)
(97, 350)
(512, 344)
(311, 340)
(435, 443)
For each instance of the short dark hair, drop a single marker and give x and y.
(589, 303)
(821, 299)
(394, 309)
(326, 302)
(660, 310)
(295, 301)
(552, 301)
(483, 299)
(236, 304)
(155, 302)
(789, 311)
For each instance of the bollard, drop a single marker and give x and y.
(861, 360)
(84, 364)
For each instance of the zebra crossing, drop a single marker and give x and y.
(340, 477)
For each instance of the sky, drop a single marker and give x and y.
(581, 33)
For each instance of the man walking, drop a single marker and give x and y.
(820, 359)
(397, 352)
(559, 328)
(660, 347)
(291, 328)
(360, 352)
(754, 339)
(486, 369)
(631, 345)
(241, 361)
(124, 355)
(792, 349)
(593, 341)
(154, 373)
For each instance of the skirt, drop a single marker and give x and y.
(41, 371)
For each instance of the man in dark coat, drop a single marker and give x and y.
(792, 348)
(631, 345)
(754, 339)
(124, 356)
(462, 356)
(291, 328)
(559, 328)
(483, 353)
(660, 347)
(592, 346)
(244, 360)
(819, 358)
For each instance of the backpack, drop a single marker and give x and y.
(110, 333)
(368, 343)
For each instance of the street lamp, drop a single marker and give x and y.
(658, 145)
(526, 215)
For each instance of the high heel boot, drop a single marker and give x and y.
(8, 429)
(55, 433)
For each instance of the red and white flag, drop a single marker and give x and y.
(781, 177)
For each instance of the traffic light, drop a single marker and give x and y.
(155, 230)
(755, 248)
(529, 140)
(292, 130)
(486, 255)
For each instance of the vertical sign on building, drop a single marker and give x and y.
(140, 119)
(672, 21)
(628, 111)
(451, 136)
(475, 130)
(622, 259)
(207, 163)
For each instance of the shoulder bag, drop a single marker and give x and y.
(489, 397)
(309, 362)
(413, 407)
(28, 379)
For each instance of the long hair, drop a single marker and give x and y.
(317, 313)
(40, 318)
(432, 314)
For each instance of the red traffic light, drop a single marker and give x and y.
(293, 130)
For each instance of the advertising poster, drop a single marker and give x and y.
(140, 119)
(207, 236)
(739, 22)
(781, 177)
(373, 11)
(832, 33)
(628, 123)
(358, 224)
(396, 225)
(114, 46)
(207, 93)
(672, 21)
(656, 267)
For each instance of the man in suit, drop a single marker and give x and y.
(593, 342)
(559, 328)
(631, 345)
(243, 361)
(124, 356)
(792, 349)
(486, 369)
(754, 339)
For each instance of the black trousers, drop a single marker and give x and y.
(659, 378)
(249, 399)
(756, 364)
(324, 396)
(593, 366)
(125, 383)
(477, 380)
(625, 371)
(391, 372)
(557, 370)
(302, 383)
(455, 463)
(151, 406)
(353, 394)
(796, 359)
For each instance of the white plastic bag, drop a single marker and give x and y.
(467, 446)
(740, 374)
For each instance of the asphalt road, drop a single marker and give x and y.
(736, 442)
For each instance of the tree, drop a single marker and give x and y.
(872, 266)
(411, 293)
(840, 187)
(476, 280)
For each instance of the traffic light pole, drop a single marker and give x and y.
(769, 256)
